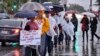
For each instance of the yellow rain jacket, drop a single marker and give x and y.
(46, 24)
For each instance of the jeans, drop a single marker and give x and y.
(42, 47)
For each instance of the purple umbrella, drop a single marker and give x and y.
(26, 14)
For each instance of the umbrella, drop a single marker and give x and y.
(58, 8)
(48, 4)
(32, 6)
(89, 14)
(26, 14)
(71, 11)
(48, 10)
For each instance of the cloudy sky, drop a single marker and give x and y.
(84, 3)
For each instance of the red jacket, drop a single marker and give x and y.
(85, 23)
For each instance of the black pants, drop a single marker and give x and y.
(30, 52)
(86, 35)
(55, 41)
(74, 36)
(49, 44)
(67, 38)
(94, 34)
(60, 39)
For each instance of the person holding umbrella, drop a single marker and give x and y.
(75, 23)
(85, 26)
(93, 27)
(31, 25)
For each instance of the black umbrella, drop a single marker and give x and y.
(26, 14)
(47, 4)
(47, 10)
(58, 8)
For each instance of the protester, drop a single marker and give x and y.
(57, 19)
(51, 33)
(61, 36)
(75, 23)
(68, 28)
(58, 28)
(85, 26)
(31, 25)
(45, 29)
(93, 27)
(67, 37)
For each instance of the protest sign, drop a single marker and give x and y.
(30, 37)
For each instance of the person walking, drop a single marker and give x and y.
(75, 23)
(57, 19)
(93, 27)
(45, 29)
(67, 35)
(61, 36)
(51, 33)
(85, 26)
(31, 25)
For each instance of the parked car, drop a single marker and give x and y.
(4, 14)
(10, 30)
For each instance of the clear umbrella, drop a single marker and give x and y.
(32, 6)
(89, 14)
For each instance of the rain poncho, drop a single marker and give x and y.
(67, 27)
(57, 18)
(51, 31)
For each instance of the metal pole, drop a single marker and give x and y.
(90, 5)
(2, 4)
(64, 2)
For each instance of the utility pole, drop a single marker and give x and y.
(64, 2)
(90, 5)
(40, 1)
(2, 4)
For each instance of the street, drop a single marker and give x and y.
(55, 27)
(77, 48)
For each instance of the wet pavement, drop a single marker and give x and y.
(77, 48)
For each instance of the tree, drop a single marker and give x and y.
(13, 4)
(23, 1)
(76, 7)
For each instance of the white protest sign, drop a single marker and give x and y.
(30, 37)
